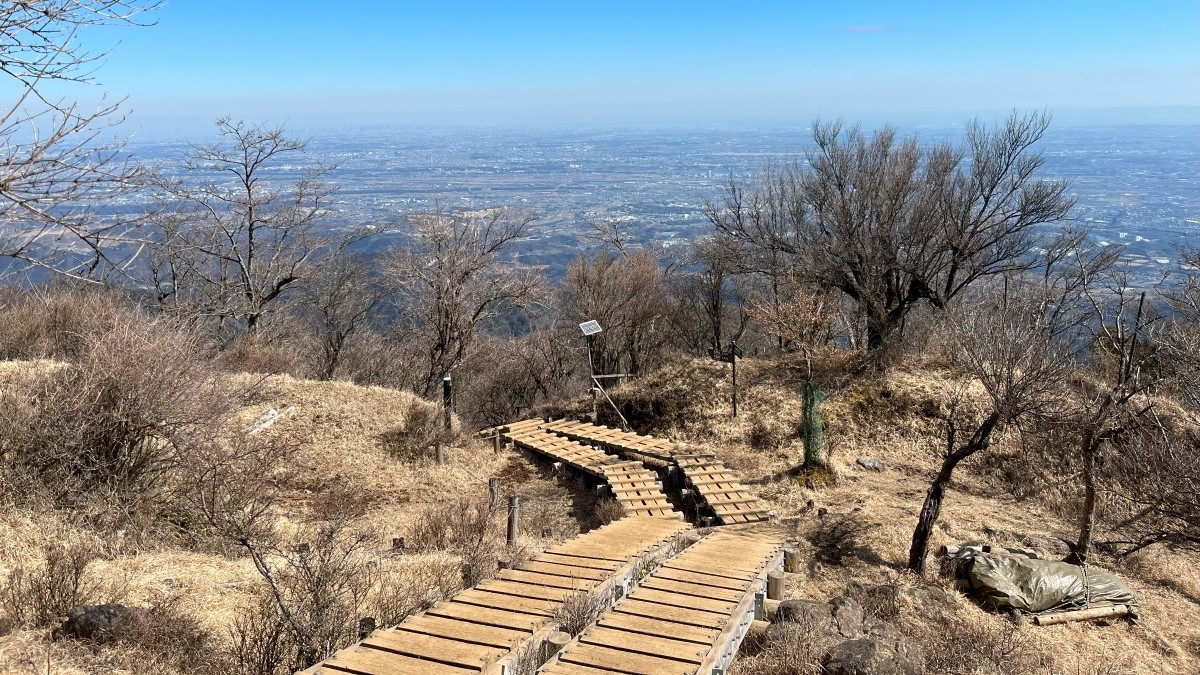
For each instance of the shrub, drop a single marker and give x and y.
(580, 610)
(609, 510)
(838, 537)
(423, 427)
(39, 593)
(466, 528)
(116, 421)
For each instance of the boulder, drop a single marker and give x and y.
(847, 616)
(867, 656)
(871, 464)
(98, 623)
(812, 613)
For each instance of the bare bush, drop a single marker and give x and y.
(423, 427)
(466, 528)
(608, 511)
(580, 610)
(960, 646)
(413, 587)
(838, 537)
(117, 421)
(55, 322)
(39, 593)
(790, 648)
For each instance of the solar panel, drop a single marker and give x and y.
(590, 327)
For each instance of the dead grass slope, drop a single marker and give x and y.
(344, 436)
(995, 498)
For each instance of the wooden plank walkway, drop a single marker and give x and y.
(482, 626)
(687, 618)
(633, 485)
(715, 485)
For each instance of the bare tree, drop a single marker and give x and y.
(710, 298)
(235, 238)
(338, 301)
(628, 296)
(56, 163)
(1011, 344)
(1180, 339)
(453, 278)
(1112, 401)
(1157, 475)
(891, 225)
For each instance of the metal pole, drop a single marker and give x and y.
(447, 400)
(513, 503)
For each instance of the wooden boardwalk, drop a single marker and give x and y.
(715, 486)
(687, 618)
(478, 629)
(633, 485)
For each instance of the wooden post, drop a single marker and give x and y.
(1081, 615)
(733, 360)
(447, 400)
(468, 575)
(366, 626)
(496, 443)
(791, 560)
(493, 490)
(554, 644)
(440, 453)
(514, 503)
(775, 585)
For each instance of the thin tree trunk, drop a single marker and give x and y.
(932, 508)
(1087, 519)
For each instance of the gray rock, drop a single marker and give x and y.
(847, 616)
(98, 623)
(873, 657)
(871, 464)
(817, 615)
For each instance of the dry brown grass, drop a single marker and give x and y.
(339, 431)
(1002, 499)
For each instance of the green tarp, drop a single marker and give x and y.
(1012, 582)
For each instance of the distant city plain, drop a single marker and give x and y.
(1137, 185)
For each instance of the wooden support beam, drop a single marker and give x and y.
(1081, 615)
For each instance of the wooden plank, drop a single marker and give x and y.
(701, 579)
(535, 607)
(573, 669)
(651, 626)
(485, 616)
(673, 599)
(366, 661)
(556, 558)
(542, 579)
(432, 648)
(684, 588)
(569, 571)
(691, 617)
(659, 646)
(490, 636)
(524, 590)
(624, 662)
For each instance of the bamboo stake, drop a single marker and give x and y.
(1081, 615)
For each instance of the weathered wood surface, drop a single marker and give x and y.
(580, 444)
(482, 625)
(1106, 612)
(633, 485)
(684, 618)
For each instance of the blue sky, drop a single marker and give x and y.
(579, 61)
